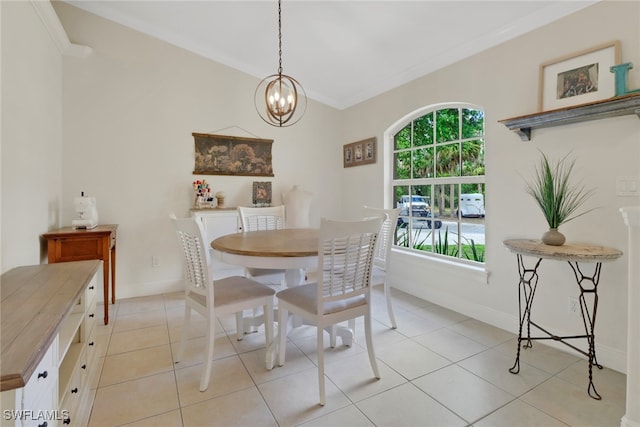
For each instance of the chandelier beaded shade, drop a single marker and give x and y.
(280, 99)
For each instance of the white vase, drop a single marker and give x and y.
(553, 237)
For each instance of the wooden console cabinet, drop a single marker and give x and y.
(68, 244)
(49, 357)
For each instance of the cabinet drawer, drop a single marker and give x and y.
(45, 412)
(87, 299)
(77, 249)
(91, 293)
(43, 379)
(90, 318)
(71, 397)
(77, 397)
(91, 348)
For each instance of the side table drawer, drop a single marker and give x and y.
(77, 249)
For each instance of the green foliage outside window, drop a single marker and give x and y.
(433, 154)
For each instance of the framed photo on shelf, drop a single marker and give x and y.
(578, 78)
(359, 153)
(261, 195)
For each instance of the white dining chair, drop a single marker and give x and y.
(380, 261)
(343, 292)
(216, 298)
(264, 218)
(383, 250)
(259, 219)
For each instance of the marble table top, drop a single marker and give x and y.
(579, 252)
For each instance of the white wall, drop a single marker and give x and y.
(31, 134)
(504, 81)
(130, 109)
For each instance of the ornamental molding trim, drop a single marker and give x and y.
(59, 36)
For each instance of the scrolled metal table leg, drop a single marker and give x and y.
(589, 286)
(526, 290)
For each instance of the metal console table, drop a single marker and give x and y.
(574, 254)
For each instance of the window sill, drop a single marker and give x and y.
(466, 271)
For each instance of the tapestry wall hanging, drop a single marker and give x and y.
(232, 155)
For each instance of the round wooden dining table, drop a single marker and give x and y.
(291, 249)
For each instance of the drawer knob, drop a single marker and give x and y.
(91, 287)
(84, 366)
(92, 315)
(66, 421)
(44, 424)
(74, 390)
(43, 374)
(91, 343)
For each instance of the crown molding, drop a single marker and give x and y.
(56, 30)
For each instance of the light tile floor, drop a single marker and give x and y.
(439, 368)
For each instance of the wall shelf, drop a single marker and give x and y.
(612, 107)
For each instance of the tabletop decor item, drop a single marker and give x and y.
(261, 193)
(220, 198)
(558, 199)
(203, 195)
(620, 72)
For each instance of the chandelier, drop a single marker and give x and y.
(279, 99)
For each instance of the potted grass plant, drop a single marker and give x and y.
(558, 199)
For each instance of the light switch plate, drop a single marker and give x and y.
(627, 186)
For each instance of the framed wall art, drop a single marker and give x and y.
(232, 155)
(261, 195)
(578, 78)
(359, 153)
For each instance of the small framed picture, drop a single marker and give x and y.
(578, 78)
(359, 153)
(261, 193)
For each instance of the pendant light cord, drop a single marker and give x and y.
(279, 38)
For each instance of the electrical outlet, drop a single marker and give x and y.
(574, 306)
(155, 261)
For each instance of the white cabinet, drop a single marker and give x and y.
(77, 365)
(35, 404)
(58, 304)
(219, 222)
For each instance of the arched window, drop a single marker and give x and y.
(437, 178)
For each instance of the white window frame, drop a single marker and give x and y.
(389, 182)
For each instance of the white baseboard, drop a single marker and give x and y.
(612, 358)
(149, 288)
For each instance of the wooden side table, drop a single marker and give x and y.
(69, 244)
(574, 254)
